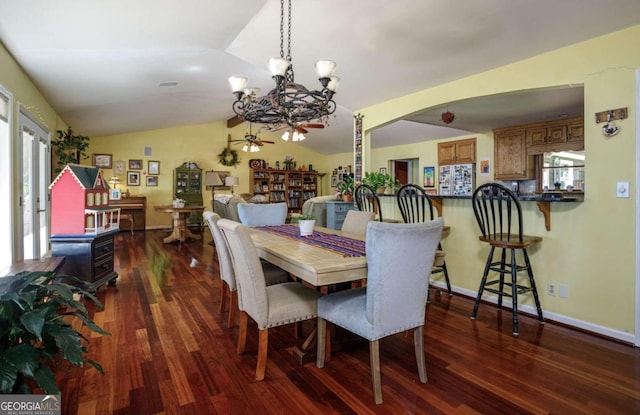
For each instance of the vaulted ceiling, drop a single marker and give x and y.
(101, 64)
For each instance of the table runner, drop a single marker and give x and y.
(340, 244)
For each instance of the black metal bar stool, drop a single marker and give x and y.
(499, 216)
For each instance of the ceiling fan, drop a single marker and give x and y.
(252, 142)
(295, 130)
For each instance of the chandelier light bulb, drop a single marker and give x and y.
(324, 68)
(333, 83)
(238, 83)
(278, 66)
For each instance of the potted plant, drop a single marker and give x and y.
(69, 148)
(36, 314)
(306, 224)
(346, 188)
(378, 181)
(557, 185)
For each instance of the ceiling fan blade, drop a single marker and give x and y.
(301, 130)
(268, 142)
(311, 125)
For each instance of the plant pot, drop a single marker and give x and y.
(306, 227)
(380, 189)
(347, 198)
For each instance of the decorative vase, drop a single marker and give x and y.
(306, 227)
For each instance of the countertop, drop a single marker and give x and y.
(564, 197)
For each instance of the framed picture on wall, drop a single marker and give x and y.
(119, 167)
(135, 164)
(102, 161)
(114, 194)
(152, 180)
(430, 176)
(154, 167)
(133, 178)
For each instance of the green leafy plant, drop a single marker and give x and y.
(376, 180)
(69, 148)
(297, 218)
(347, 185)
(36, 314)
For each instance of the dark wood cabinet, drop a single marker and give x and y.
(87, 257)
(134, 207)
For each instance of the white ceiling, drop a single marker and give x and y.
(100, 63)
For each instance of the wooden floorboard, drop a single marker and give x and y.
(170, 352)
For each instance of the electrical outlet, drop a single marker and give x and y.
(551, 289)
(564, 291)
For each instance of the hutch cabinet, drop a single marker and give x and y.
(457, 152)
(188, 186)
(293, 187)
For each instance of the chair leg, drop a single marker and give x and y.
(374, 357)
(418, 342)
(321, 342)
(242, 334)
(263, 346)
(514, 291)
(445, 272)
(503, 258)
(233, 306)
(223, 295)
(532, 284)
(482, 283)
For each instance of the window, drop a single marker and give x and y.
(6, 166)
(563, 170)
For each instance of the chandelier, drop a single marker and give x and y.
(288, 104)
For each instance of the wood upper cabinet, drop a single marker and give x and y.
(510, 155)
(545, 137)
(457, 152)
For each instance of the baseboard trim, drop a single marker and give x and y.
(561, 319)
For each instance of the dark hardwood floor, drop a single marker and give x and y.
(170, 352)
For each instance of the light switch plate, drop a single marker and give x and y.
(622, 189)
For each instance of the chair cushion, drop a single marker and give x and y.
(347, 309)
(290, 302)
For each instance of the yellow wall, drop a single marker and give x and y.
(591, 246)
(197, 143)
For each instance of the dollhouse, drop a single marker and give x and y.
(80, 202)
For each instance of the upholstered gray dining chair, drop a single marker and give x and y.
(399, 257)
(356, 222)
(262, 214)
(273, 274)
(269, 306)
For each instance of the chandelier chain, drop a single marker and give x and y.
(289, 34)
(282, 28)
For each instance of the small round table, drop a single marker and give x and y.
(180, 231)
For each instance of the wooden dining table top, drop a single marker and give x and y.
(315, 265)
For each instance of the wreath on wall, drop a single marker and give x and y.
(228, 157)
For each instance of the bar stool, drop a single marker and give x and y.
(415, 206)
(499, 217)
(367, 200)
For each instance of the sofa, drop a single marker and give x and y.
(317, 206)
(227, 206)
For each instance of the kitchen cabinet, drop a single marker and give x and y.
(457, 152)
(553, 136)
(510, 154)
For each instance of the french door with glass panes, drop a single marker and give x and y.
(35, 145)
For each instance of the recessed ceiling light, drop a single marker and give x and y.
(170, 83)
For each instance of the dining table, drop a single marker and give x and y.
(180, 214)
(324, 259)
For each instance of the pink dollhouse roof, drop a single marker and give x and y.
(87, 177)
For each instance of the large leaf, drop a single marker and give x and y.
(46, 380)
(24, 357)
(68, 340)
(89, 323)
(33, 322)
(8, 377)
